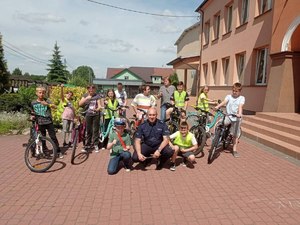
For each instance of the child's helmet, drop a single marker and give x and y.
(119, 122)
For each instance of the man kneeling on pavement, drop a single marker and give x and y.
(152, 141)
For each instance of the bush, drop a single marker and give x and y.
(55, 97)
(13, 121)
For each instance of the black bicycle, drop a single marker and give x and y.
(41, 151)
(222, 136)
(174, 121)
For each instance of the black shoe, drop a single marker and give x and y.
(146, 162)
(159, 165)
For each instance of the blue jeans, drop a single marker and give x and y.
(163, 110)
(114, 162)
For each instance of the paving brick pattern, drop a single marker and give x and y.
(257, 188)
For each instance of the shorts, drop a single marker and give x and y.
(67, 126)
(185, 154)
(235, 128)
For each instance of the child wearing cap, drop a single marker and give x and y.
(119, 144)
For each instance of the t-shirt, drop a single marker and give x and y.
(152, 134)
(91, 105)
(144, 101)
(177, 133)
(68, 110)
(118, 148)
(121, 96)
(232, 106)
(43, 112)
(166, 93)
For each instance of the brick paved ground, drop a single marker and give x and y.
(258, 188)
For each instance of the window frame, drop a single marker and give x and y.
(217, 23)
(225, 67)
(264, 6)
(229, 14)
(240, 69)
(206, 32)
(244, 14)
(214, 68)
(264, 67)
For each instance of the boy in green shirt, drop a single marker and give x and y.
(119, 144)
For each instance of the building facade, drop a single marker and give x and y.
(256, 43)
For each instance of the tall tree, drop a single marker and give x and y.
(174, 79)
(17, 72)
(56, 67)
(4, 74)
(86, 74)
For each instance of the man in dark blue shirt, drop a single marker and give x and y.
(155, 135)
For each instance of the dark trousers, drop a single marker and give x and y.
(114, 162)
(166, 153)
(92, 130)
(51, 132)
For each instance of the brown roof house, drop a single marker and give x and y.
(133, 77)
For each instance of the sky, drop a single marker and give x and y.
(92, 34)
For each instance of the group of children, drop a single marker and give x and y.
(182, 142)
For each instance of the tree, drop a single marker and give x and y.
(174, 79)
(17, 72)
(4, 74)
(82, 76)
(57, 70)
(26, 74)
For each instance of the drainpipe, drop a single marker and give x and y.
(201, 46)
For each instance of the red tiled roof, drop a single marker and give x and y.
(144, 73)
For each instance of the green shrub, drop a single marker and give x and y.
(13, 121)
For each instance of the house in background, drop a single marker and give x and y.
(252, 42)
(188, 57)
(132, 78)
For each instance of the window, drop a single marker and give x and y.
(214, 65)
(225, 62)
(240, 66)
(264, 5)
(193, 74)
(126, 77)
(244, 11)
(216, 26)
(206, 32)
(228, 18)
(205, 70)
(261, 66)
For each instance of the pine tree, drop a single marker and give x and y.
(4, 74)
(56, 67)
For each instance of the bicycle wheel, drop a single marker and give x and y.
(172, 126)
(40, 154)
(75, 141)
(214, 145)
(200, 136)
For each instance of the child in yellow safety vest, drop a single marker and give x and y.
(110, 102)
(183, 143)
(180, 99)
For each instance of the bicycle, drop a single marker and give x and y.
(174, 120)
(205, 119)
(41, 151)
(104, 133)
(78, 134)
(222, 136)
(135, 122)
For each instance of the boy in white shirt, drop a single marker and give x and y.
(234, 105)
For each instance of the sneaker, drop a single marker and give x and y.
(158, 165)
(127, 169)
(184, 162)
(85, 149)
(65, 144)
(235, 154)
(102, 148)
(146, 162)
(96, 148)
(60, 155)
(70, 144)
(172, 167)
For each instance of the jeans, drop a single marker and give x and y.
(114, 162)
(163, 110)
(51, 132)
(92, 130)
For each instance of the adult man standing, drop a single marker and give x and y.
(155, 135)
(121, 96)
(165, 93)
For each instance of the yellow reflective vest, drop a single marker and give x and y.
(179, 99)
(184, 142)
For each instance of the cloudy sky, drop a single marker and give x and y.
(92, 34)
